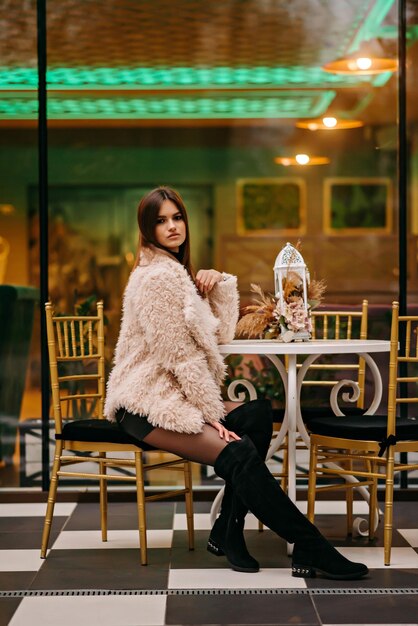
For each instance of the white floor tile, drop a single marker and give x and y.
(228, 579)
(334, 507)
(91, 611)
(411, 535)
(401, 558)
(92, 539)
(36, 509)
(20, 560)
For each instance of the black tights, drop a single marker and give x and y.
(253, 418)
(204, 447)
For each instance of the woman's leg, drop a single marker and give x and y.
(254, 419)
(203, 447)
(241, 466)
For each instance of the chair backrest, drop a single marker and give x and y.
(340, 325)
(403, 359)
(76, 364)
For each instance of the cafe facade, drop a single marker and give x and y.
(277, 122)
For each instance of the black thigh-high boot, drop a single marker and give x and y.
(240, 465)
(253, 419)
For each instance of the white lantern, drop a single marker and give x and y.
(290, 264)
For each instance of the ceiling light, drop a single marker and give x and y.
(362, 65)
(366, 58)
(328, 123)
(6, 209)
(301, 159)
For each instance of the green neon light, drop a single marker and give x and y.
(382, 79)
(391, 32)
(353, 27)
(245, 105)
(176, 78)
(372, 23)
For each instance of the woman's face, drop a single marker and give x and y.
(170, 231)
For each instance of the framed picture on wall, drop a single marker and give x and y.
(354, 206)
(269, 206)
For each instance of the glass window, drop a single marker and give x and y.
(275, 121)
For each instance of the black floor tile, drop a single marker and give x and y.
(8, 608)
(24, 540)
(334, 529)
(103, 569)
(29, 524)
(384, 578)
(266, 547)
(121, 516)
(363, 609)
(405, 514)
(250, 609)
(16, 581)
(183, 558)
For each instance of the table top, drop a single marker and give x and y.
(313, 346)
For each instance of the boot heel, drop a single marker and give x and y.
(301, 571)
(214, 548)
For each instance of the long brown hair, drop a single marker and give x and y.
(148, 211)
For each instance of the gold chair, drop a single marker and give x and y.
(370, 443)
(77, 370)
(339, 325)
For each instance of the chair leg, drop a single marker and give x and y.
(51, 498)
(189, 502)
(373, 513)
(103, 497)
(140, 500)
(387, 534)
(313, 460)
(349, 497)
(285, 464)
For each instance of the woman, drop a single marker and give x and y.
(164, 390)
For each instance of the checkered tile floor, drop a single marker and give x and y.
(180, 587)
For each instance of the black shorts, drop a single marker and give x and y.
(133, 424)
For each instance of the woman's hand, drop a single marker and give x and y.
(207, 279)
(228, 435)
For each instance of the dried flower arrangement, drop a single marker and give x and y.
(271, 318)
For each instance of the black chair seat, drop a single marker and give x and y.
(312, 412)
(363, 427)
(98, 430)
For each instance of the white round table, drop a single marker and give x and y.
(292, 381)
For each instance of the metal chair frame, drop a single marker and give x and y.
(371, 467)
(341, 329)
(80, 339)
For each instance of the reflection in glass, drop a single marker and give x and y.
(240, 86)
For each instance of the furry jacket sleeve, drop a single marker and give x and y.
(224, 302)
(162, 303)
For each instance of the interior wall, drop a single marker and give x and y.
(217, 157)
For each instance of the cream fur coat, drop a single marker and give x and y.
(167, 365)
